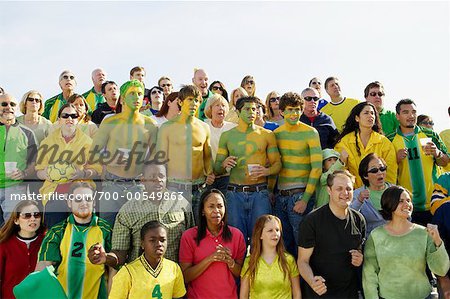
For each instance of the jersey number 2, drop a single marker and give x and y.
(76, 252)
(157, 292)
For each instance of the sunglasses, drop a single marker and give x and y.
(67, 115)
(273, 100)
(250, 82)
(36, 215)
(430, 123)
(309, 99)
(217, 88)
(33, 100)
(79, 199)
(155, 91)
(67, 77)
(315, 83)
(166, 85)
(375, 170)
(380, 94)
(12, 104)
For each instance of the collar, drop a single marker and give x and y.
(15, 124)
(417, 130)
(209, 234)
(94, 220)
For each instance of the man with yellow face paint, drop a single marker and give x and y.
(122, 146)
(186, 141)
(251, 153)
(301, 157)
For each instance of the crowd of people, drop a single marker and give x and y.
(129, 192)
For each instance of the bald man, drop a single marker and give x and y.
(94, 96)
(17, 156)
(200, 80)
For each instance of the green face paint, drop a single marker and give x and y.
(248, 113)
(134, 98)
(190, 105)
(292, 115)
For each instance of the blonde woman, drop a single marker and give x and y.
(236, 94)
(248, 83)
(32, 107)
(273, 110)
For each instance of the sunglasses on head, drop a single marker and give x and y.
(309, 99)
(28, 215)
(33, 100)
(376, 169)
(272, 100)
(67, 77)
(12, 104)
(67, 115)
(166, 85)
(373, 94)
(217, 88)
(154, 91)
(430, 123)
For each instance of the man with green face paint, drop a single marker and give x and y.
(251, 153)
(301, 157)
(186, 141)
(121, 145)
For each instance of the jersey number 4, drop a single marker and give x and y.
(156, 293)
(78, 246)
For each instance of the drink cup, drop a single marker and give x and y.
(10, 167)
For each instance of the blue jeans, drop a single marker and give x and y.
(290, 219)
(243, 208)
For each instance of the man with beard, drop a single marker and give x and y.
(65, 246)
(419, 153)
(111, 93)
(67, 83)
(94, 96)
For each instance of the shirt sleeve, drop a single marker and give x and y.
(370, 270)
(293, 269)
(50, 245)
(178, 288)
(437, 258)
(306, 233)
(187, 247)
(121, 237)
(245, 266)
(121, 284)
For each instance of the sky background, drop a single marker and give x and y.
(405, 45)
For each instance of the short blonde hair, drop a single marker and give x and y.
(212, 101)
(23, 102)
(242, 90)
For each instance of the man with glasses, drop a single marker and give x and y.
(94, 96)
(67, 83)
(419, 153)
(66, 245)
(200, 80)
(318, 120)
(18, 150)
(339, 108)
(316, 84)
(111, 93)
(166, 84)
(374, 93)
(301, 159)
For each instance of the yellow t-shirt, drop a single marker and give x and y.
(139, 280)
(339, 112)
(269, 279)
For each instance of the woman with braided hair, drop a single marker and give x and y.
(361, 136)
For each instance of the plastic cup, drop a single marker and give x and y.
(251, 167)
(10, 167)
(424, 141)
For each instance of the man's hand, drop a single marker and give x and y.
(229, 162)
(259, 171)
(401, 154)
(357, 257)
(97, 254)
(210, 179)
(300, 206)
(318, 285)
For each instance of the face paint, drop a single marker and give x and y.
(134, 98)
(248, 113)
(190, 105)
(292, 114)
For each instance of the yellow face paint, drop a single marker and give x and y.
(190, 105)
(248, 113)
(292, 114)
(134, 98)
